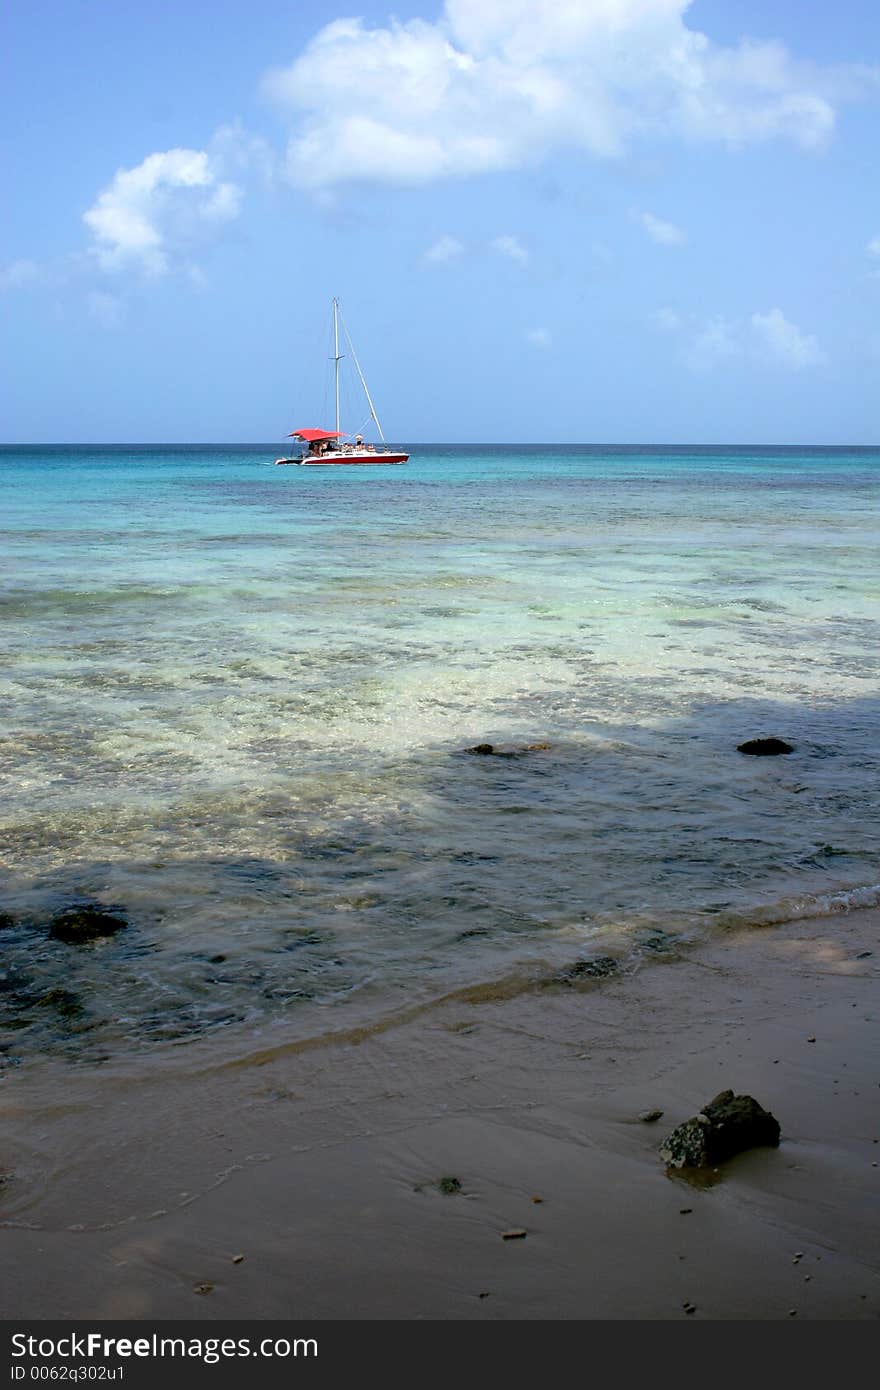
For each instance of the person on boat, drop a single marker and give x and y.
(359, 441)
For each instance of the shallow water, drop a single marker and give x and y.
(239, 697)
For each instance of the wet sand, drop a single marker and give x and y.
(134, 1197)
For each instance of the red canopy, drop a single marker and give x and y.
(312, 436)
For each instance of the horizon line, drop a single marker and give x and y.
(438, 443)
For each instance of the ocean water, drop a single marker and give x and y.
(239, 698)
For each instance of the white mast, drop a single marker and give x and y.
(336, 355)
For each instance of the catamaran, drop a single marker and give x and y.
(325, 446)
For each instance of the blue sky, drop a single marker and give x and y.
(560, 220)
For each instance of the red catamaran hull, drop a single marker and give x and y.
(320, 460)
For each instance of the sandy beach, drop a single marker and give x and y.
(306, 1182)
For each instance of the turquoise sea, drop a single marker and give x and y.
(238, 700)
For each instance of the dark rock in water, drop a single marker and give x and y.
(765, 747)
(724, 1127)
(449, 1185)
(76, 926)
(6, 920)
(487, 750)
(596, 969)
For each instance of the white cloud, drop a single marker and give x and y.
(874, 246)
(510, 247)
(19, 274)
(664, 232)
(496, 84)
(155, 217)
(768, 338)
(444, 250)
(539, 338)
(783, 344)
(168, 201)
